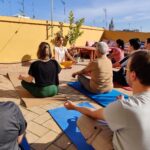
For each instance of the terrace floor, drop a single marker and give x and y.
(42, 132)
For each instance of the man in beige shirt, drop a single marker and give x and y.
(100, 72)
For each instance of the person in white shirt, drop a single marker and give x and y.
(61, 54)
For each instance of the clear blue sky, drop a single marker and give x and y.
(125, 13)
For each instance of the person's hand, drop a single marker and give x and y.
(20, 77)
(74, 62)
(74, 74)
(69, 105)
(88, 74)
(120, 97)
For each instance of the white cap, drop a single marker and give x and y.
(102, 47)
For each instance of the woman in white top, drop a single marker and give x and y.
(61, 53)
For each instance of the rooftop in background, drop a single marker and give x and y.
(96, 13)
(21, 16)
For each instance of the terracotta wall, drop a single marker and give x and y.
(114, 35)
(20, 37)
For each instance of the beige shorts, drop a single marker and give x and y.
(96, 134)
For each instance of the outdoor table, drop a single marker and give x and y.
(90, 50)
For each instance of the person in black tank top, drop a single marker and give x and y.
(45, 73)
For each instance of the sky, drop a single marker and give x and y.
(126, 14)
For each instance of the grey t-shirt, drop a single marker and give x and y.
(130, 122)
(12, 124)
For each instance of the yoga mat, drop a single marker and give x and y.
(66, 120)
(27, 99)
(103, 99)
(24, 145)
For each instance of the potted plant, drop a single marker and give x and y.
(74, 30)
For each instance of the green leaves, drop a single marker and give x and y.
(74, 28)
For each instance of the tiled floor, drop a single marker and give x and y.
(42, 132)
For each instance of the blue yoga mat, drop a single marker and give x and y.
(66, 119)
(24, 144)
(102, 99)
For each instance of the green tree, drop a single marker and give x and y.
(74, 28)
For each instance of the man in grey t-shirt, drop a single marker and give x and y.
(130, 122)
(128, 119)
(12, 126)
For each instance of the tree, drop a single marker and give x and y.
(74, 28)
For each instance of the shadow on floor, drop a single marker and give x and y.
(65, 82)
(8, 94)
(61, 142)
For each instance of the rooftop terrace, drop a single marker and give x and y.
(42, 131)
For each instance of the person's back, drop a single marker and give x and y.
(100, 71)
(129, 120)
(12, 125)
(45, 73)
(101, 75)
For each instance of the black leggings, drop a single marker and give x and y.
(120, 77)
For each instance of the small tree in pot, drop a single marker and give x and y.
(74, 29)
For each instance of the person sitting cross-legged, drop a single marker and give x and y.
(100, 71)
(127, 119)
(45, 73)
(62, 55)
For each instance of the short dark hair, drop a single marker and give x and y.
(148, 40)
(120, 43)
(41, 53)
(140, 64)
(135, 43)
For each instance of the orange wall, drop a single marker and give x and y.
(21, 37)
(114, 35)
